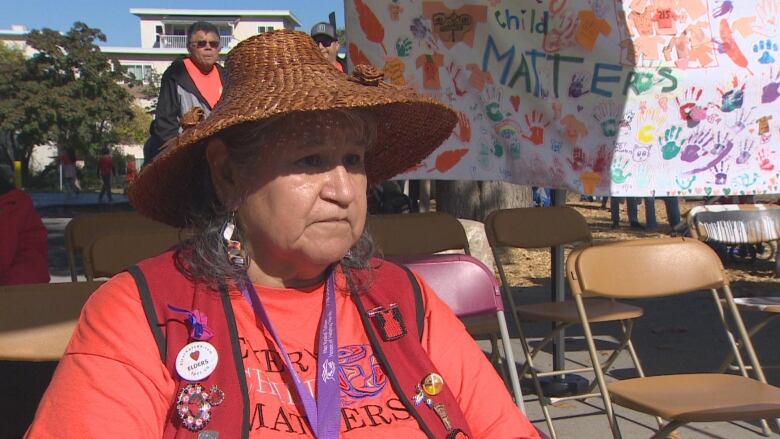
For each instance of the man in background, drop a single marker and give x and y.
(193, 81)
(324, 34)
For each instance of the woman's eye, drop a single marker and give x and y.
(352, 160)
(311, 161)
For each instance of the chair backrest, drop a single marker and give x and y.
(37, 321)
(415, 234)
(463, 282)
(735, 223)
(111, 254)
(534, 227)
(84, 229)
(644, 268)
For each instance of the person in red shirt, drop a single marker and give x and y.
(105, 170)
(130, 172)
(275, 319)
(23, 237)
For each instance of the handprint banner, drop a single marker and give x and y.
(621, 97)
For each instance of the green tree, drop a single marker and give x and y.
(68, 93)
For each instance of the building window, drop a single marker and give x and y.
(141, 72)
(262, 29)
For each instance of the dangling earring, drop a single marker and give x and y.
(236, 256)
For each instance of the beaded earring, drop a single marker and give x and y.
(236, 256)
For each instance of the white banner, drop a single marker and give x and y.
(635, 97)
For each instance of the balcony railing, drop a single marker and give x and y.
(180, 41)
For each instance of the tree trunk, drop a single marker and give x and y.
(476, 199)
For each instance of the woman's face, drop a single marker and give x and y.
(306, 204)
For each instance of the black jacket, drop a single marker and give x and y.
(178, 94)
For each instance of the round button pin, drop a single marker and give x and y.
(432, 384)
(196, 361)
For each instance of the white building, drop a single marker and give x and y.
(163, 39)
(164, 34)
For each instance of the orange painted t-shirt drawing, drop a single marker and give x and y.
(590, 29)
(452, 26)
(430, 65)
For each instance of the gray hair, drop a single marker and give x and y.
(203, 257)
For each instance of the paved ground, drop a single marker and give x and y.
(676, 335)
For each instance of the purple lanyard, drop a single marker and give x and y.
(324, 415)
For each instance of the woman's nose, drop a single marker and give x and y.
(339, 186)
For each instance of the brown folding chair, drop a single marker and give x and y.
(84, 229)
(531, 228)
(417, 234)
(37, 320)
(657, 268)
(409, 235)
(111, 254)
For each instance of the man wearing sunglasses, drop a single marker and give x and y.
(325, 36)
(196, 80)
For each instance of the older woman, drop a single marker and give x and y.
(274, 320)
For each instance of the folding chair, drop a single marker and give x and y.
(82, 231)
(111, 254)
(531, 228)
(470, 289)
(37, 320)
(414, 234)
(657, 268)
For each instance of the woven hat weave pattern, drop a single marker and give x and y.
(282, 72)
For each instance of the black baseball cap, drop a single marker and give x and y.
(323, 28)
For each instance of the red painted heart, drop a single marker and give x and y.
(195, 355)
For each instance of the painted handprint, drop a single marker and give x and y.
(743, 119)
(745, 151)
(697, 142)
(606, 114)
(458, 77)
(464, 128)
(671, 143)
(720, 171)
(403, 46)
(767, 48)
(618, 172)
(562, 31)
(643, 176)
(771, 91)
(577, 84)
(717, 152)
(536, 124)
(602, 159)
(725, 8)
(764, 163)
(492, 96)
(732, 96)
(767, 13)
(578, 159)
(690, 111)
(649, 121)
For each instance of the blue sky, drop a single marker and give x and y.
(114, 19)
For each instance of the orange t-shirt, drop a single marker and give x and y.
(111, 382)
(590, 28)
(208, 84)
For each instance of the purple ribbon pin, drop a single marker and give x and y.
(197, 321)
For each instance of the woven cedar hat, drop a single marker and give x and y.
(283, 72)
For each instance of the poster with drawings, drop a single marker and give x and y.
(622, 97)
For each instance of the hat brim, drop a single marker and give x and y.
(409, 126)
